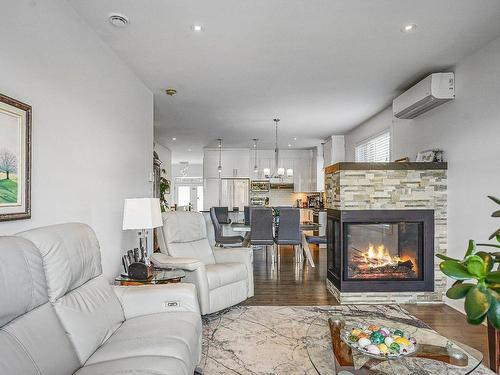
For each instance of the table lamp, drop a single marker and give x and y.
(142, 214)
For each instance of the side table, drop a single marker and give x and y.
(160, 276)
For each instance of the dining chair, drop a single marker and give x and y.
(220, 239)
(222, 214)
(288, 230)
(246, 213)
(261, 226)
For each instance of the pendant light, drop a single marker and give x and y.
(219, 167)
(279, 171)
(255, 167)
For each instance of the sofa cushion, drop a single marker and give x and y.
(143, 365)
(22, 280)
(70, 255)
(174, 334)
(30, 332)
(90, 314)
(35, 343)
(185, 235)
(221, 274)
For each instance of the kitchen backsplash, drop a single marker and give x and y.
(285, 197)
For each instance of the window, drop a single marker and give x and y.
(376, 149)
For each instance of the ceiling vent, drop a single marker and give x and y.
(118, 20)
(431, 92)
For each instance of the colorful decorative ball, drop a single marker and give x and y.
(394, 347)
(353, 338)
(364, 342)
(383, 348)
(363, 335)
(399, 333)
(373, 349)
(373, 327)
(402, 341)
(355, 331)
(413, 340)
(388, 341)
(377, 338)
(383, 332)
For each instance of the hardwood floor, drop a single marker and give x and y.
(292, 284)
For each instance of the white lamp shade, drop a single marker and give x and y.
(289, 172)
(142, 213)
(267, 171)
(281, 171)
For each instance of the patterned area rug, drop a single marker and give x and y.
(275, 339)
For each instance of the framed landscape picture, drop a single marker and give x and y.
(15, 159)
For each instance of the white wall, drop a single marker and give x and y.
(92, 122)
(468, 130)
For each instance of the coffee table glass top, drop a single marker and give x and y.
(435, 354)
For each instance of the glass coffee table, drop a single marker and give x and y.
(435, 354)
(160, 276)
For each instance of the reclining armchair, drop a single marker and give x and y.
(223, 277)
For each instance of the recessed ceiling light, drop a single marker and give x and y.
(294, 138)
(190, 150)
(289, 145)
(197, 28)
(408, 28)
(118, 20)
(174, 139)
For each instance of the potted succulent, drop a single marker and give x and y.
(477, 278)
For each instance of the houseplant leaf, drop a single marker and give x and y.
(494, 314)
(488, 260)
(459, 291)
(494, 199)
(455, 270)
(475, 266)
(471, 248)
(477, 303)
(476, 321)
(496, 214)
(493, 277)
(445, 257)
(495, 234)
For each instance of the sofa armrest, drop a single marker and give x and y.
(233, 255)
(153, 299)
(238, 255)
(165, 261)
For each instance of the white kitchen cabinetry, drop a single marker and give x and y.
(235, 163)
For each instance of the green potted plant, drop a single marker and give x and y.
(164, 189)
(477, 278)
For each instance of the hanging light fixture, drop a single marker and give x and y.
(219, 167)
(255, 167)
(279, 171)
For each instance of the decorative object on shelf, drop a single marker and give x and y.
(255, 166)
(430, 156)
(279, 172)
(406, 159)
(219, 167)
(482, 299)
(15, 159)
(142, 214)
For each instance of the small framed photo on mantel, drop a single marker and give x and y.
(15, 159)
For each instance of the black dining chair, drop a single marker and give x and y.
(246, 212)
(261, 226)
(222, 214)
(220, 239)
(288, 230)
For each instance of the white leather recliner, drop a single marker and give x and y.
(223, 277)
(60, 316)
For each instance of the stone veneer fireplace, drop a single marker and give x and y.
(385, 223)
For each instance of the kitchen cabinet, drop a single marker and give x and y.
(235, 163)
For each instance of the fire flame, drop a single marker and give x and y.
(379, 256)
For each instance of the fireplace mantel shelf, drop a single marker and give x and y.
(352, 166)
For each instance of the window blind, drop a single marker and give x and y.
(376, 149)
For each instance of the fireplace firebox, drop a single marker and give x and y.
(381, 250)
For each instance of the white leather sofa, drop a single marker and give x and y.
(59, 315)
(223, 277)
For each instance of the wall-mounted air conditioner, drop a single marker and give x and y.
(429, 93)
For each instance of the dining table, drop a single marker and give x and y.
(304, 227)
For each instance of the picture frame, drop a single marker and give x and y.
(15, 159)
(430, 156)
